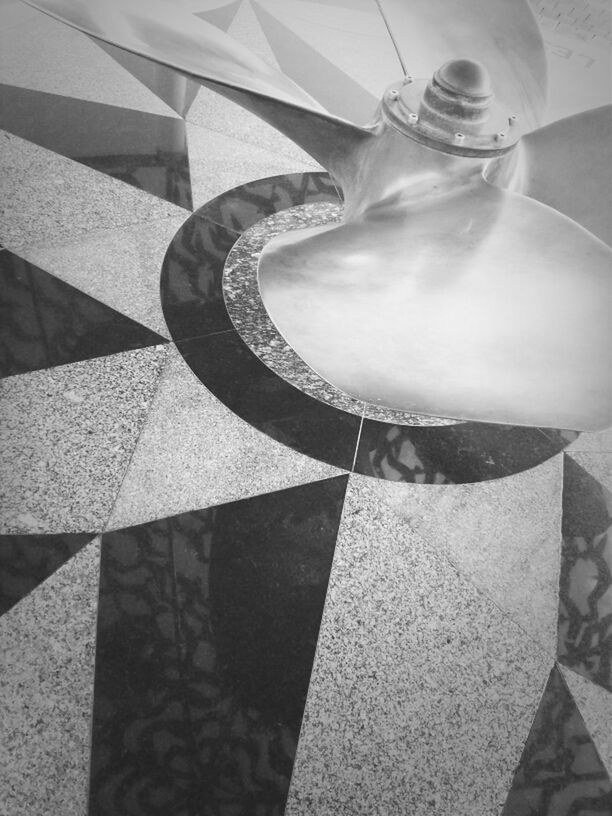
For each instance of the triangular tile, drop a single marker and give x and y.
(207, 628)
(46, 689)
(42, 54)
(67, 435)
(585, 597)
(47, 323)
(194, 452)
(503, 535)
(595, 705)
(145, 150)
(28, 560)
(220, 16)
(422, 691)
(53, 198)
(176, 90)
(328, 84)
(598, 464)
(560, 772)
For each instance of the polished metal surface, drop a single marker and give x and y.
(449, 289)
(444, 295)
(567, 165)
(501, 34)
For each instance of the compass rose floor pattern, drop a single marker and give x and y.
(219, 594)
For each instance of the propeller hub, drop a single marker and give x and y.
(454, 112)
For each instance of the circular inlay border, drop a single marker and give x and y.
(196, 314)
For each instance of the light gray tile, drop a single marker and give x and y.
(67, 435)
(218, 163)
(422, 693)
(597, 464)
(194, 452)
(46, 688)
(42, 54)
(47, 197)
(119, 267)
(600, 442)
(595, 705)
(503, 535)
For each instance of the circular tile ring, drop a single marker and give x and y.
(194, 308)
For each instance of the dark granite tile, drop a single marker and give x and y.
(28, 560)
(207, 628)
(45, 322)
(191, 279)
(237, 377)
(585, 597)
(241, 207)
(560, 772)
(461, 453)
(145, 150)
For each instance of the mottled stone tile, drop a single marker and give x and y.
(47, 197)
(504, 536)
(595, 705)
(194, 452)
(119, 267)
(46, 687)
(422, 692)
(41, 53)
(67, 436)
(218, 162)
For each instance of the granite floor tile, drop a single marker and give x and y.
(504, 536)
(194, 452)
(600, 442)
(119, 267)
(53, 198)
(595, 705)
(67, 436)
(46, 322)
(422, 693)
(28, 560)
(560, 772)
(145, 150)
(46, 687)
(41, 53)
(219, 162)
(212, 112)
(599, 465)
(208, 623)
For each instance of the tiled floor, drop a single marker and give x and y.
(220, 595)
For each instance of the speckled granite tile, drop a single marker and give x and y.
(213, 112)
(503, 535)
(41, 53)
(67, 436)
(194, 452)
(600, 442)
(119, 267)
(595, 704)
(46, 686)
(249, 315)
(422, 693)
(48, 197)
(218, 163)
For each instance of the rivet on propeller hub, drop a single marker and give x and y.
(455, 111)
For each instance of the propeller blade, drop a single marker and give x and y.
(170, 36)
(567, 165)
(501, 34)
(467, 302)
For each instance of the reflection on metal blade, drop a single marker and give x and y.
(469, 302)
(502, 34)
